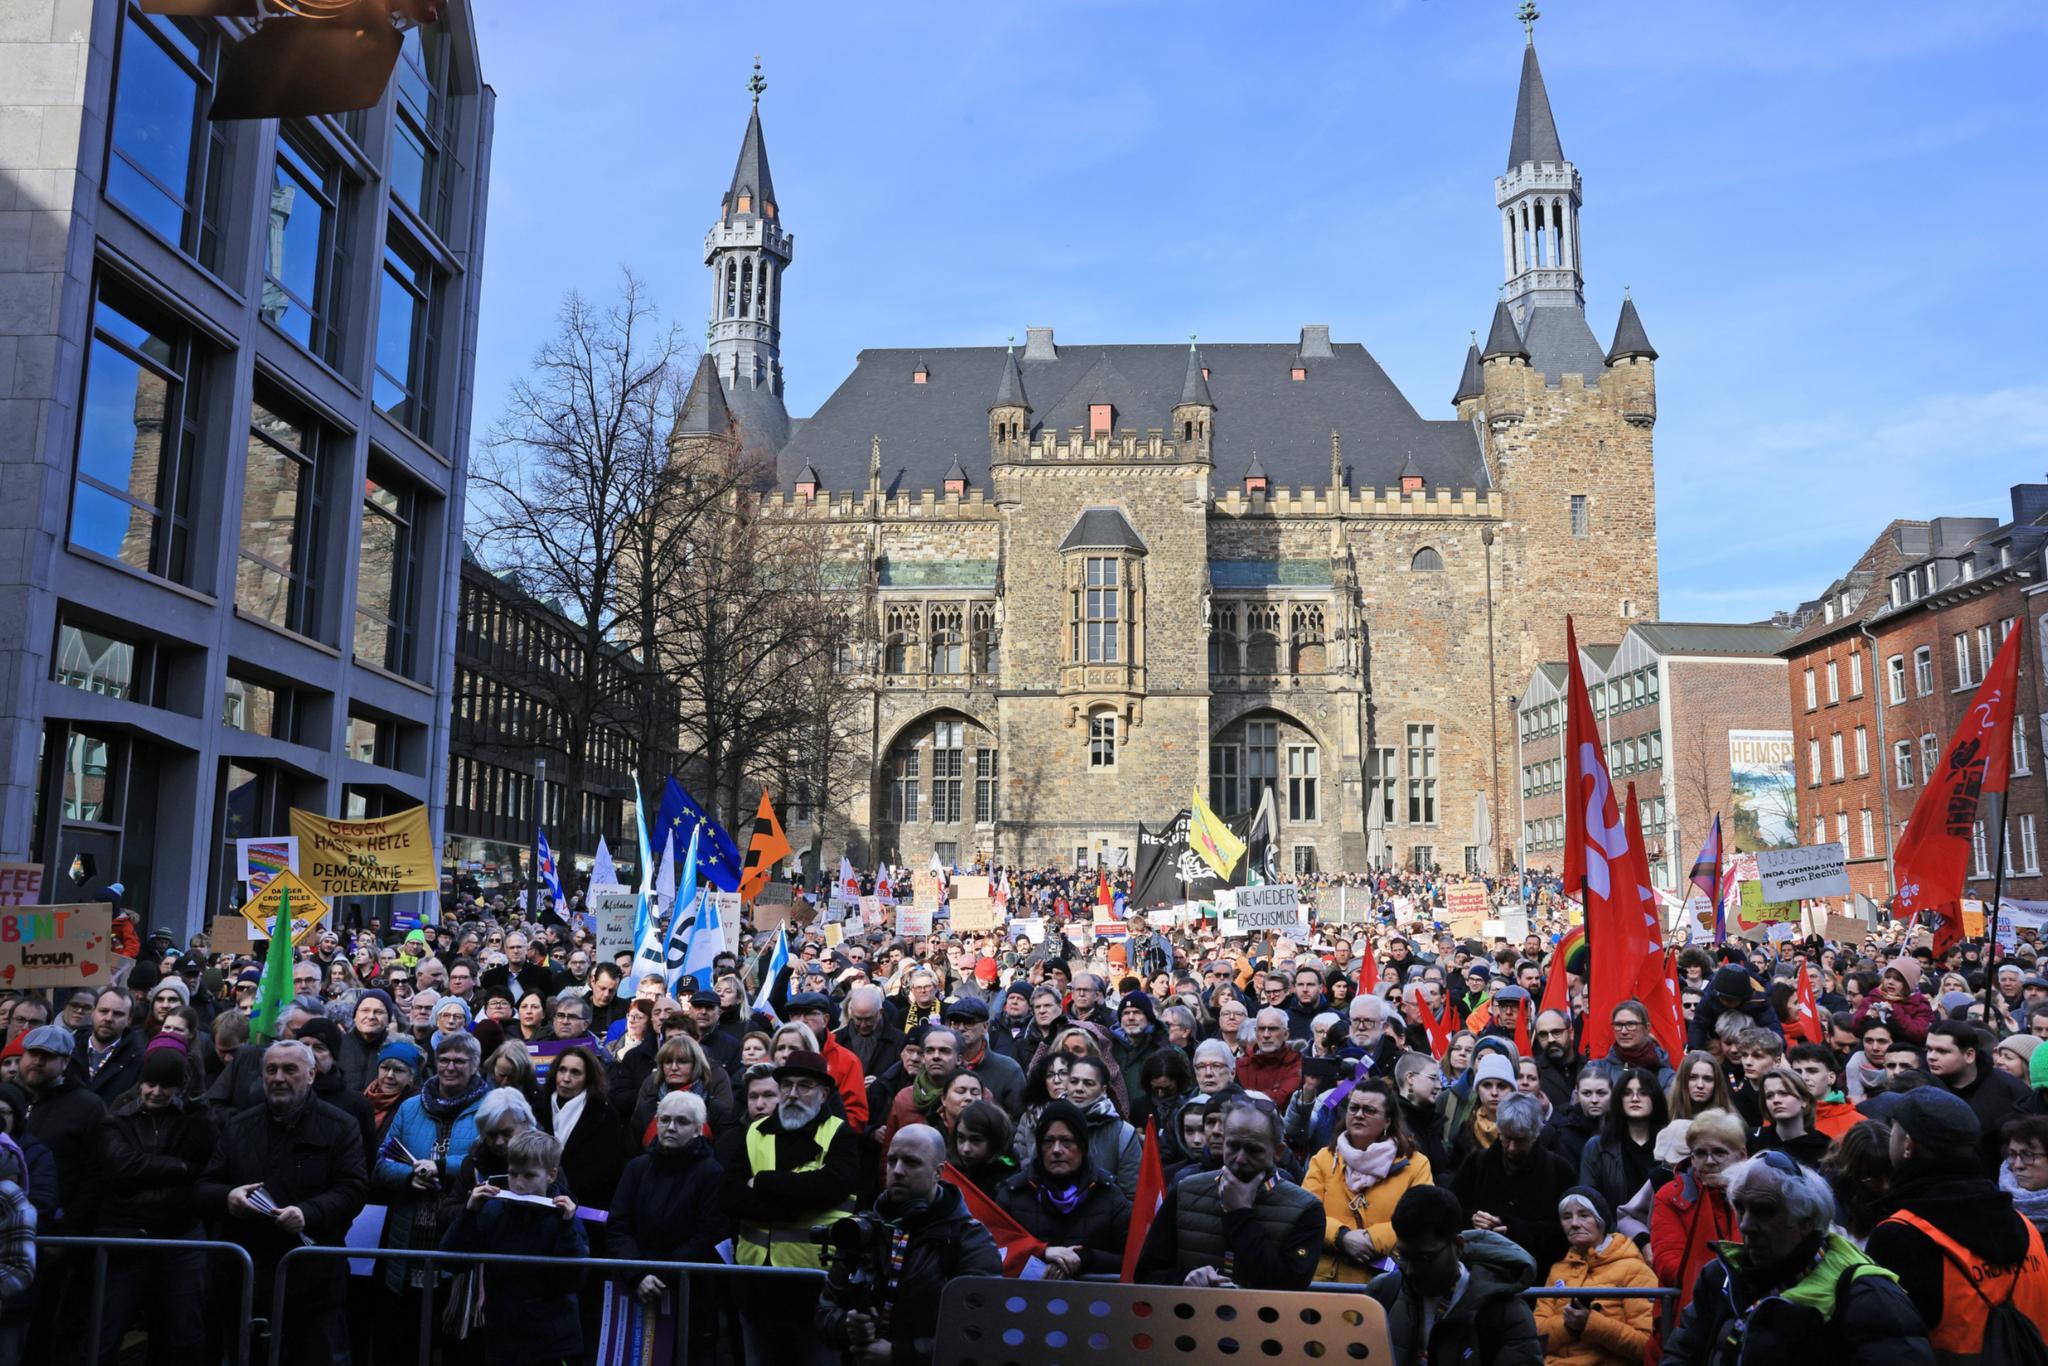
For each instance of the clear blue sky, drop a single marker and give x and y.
(1832, 216)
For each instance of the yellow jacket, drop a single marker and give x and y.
(1618, 1331)
(1372, 1211)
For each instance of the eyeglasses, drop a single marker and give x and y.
(1357, 1109)
(1712, 1157)
(2024, 1157)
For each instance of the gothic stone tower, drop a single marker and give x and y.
(748, 250)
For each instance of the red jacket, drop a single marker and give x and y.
(1276, 1074)
(1909, 1017)
(1686, 1220)
(848, 1075)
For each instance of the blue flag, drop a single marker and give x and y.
(776, 963)
(718, 858)
(707, 941)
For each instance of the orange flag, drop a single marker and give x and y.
(768, 847)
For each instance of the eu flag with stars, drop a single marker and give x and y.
(718, 858)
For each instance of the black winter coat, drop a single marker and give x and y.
(1524, 1199)
(1868, 1321)
(312, 1159)
(530, 1314)
(121, 1071)
(150, 1164)
(594, 1156)
(667, 1208)
(1488, 1326)
(1098, 1225)
(1996, 1097)
(67, 1119)
(944, 1242)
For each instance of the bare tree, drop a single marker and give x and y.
(561, 489)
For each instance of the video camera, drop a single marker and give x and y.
(856, 1258)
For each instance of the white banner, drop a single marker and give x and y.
(2014, 916)
(1274, 907)
(913, 922)
(613, 912)
(1811, 870)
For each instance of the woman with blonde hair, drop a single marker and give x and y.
(1691, 1213)
(791, 1038)
(1697, 1085)
(680, 1065)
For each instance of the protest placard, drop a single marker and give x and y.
(1466, 908)
(1274, 907)
(615, 912)
(2015, 916)
(260, 859)
(229, 934)
(1846, 929)
(308, 909)
(969, 886)
(1031, 927)
(21, 884)
(776, 894)
(373, 857)
(912, 922)
(56, 946)
(973, 914)
(1810, 870)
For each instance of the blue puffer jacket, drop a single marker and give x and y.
(427, 1127)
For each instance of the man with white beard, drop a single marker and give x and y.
(799, 1168)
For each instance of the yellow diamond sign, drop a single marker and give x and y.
(308, 910)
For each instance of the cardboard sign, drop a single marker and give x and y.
(728, 904)
(974, 914)
(913, 922)
(56, 946)
(1466, 908)
(776, 894)
(969, 887)
(1809, 871)
(308, 909)
(614, 912)
(1973, 921)
(1846, 929)
(230, 934)
(1274, 908)
(21, 884)
(261, 859)
(375, 857)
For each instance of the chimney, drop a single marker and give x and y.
(1315, 342)
(1038, 344)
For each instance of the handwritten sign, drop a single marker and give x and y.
(259, 860)
(1273, 907)
(615, 913)
(230, 934)
(367, 858)
(1811, 870)
(21, 884)
(1466, 908)
(972, 914)
(56, 946)
(913, 922)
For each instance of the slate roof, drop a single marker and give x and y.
(1503, 338)
(923, 426)
(1629, 337)
(1471, 381)
(750, 176)
(1560, 343)
(1102, 529)
(704, 410)
(1867, 582)
(1535, 136)
(1713, 638)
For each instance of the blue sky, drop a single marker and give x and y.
(1831, 216)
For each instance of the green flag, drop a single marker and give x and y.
(276, 988)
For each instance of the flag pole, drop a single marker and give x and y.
(1991, 921)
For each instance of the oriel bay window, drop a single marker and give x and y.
(1098, 614)
(138, 436)
(166, 163)
(280, 516)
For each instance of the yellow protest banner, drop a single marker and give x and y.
(308, 909)
(367, 858)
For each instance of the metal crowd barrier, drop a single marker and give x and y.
(679, 1274)
(103, 1248)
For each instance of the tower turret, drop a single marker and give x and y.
(748, 251)
(1195, 411)
(1538, 199)
(1009, 416)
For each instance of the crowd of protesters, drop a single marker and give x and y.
(1385, 1106)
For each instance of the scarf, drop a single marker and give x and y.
(1645, 1055)
(566, 1115)
(1061, 1201)
(924, 1093)
(443, 1109)
(384, 1097)
(1365, 1167)
(2032, 1205)
(1484, 1130)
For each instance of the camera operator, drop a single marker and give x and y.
(889, 1311)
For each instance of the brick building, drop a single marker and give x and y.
(1838, 684)
(1945, 614)
(1083, 581)
(1683, 708)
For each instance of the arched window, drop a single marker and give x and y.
(948, 653)
(1263, 654)
(1102, 738)
(1308, 652)
(732, 289)
(1224, 647)
(985, 640)
(747, 288)
(1427, 561)
(904, 629)
(761, 299)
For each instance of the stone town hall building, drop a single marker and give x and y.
(1095, 577)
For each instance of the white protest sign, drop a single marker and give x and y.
(728, 904)
(614, 914)
(1275, 907)
(1811, 870)
(913, 922)
(1032, 928)
(2014, 916)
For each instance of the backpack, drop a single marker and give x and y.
(2010, 1337)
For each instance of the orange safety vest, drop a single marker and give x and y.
(1970, 1288)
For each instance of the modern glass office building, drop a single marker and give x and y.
(235, 384)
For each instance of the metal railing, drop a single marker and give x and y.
(678, 1274)
(102, 1250)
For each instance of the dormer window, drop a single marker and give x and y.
(1254, 483)
(1411, 483)
(1298, 373)
(1101, 416)
(920, 375)
(746, 204)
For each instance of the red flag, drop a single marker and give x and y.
(1522, 1009)
(1654, 987)
(1151, 1194)
(1806, 1011)
(1934, 853)
(1596, 863)
(1439, 1025)
(1556, 993)
(1012, 1240)
(1368, 971)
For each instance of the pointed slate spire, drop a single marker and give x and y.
(1535, 136)
(1502, 339)
(1195, 388)
(1255, 470)
(704, 410)
(750, 177)
(1629, 337)
(1010, 390)
(809, 475)
(954, 473)
(1472, 383)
